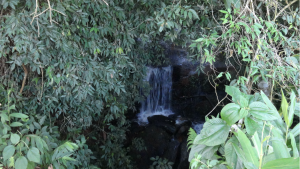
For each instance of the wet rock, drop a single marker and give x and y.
(157, 142)
(160, 119)
(166, 123)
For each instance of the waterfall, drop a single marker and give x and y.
(158, 102)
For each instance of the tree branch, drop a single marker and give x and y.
(284, 9)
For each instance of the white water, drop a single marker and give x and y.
(158, 102)
(197, 127)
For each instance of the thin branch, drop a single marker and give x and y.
(284, 9)
(24, 79)
(217, 105)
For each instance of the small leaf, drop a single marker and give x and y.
(14, 138)
(8, 152)
(16, 124)
(18, 115)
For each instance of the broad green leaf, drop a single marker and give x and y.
(283, 163)
(18, 115)
(279, 146)
(243, 101)
(240, 153)
(21, 163)
(256, 142)
(267, 101)
(194, 13)
(296, 130)
(230, 154)
(269, 157)
(250, 154)
(230, 113)
(214, 132)
(8, 152)
(31, 165)
(207, 152)
(251, 125)
(243, 113)
(295, 149)
(278, 122)
(4, 117)
(14, 138)
(292, 109)
(284, 108)
(33, 155)
(16, 124)
(261, 111)
(234, 92)
(297, 109)
(249, 165)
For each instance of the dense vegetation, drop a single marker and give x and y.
(71, 70)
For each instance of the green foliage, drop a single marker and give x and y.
(263, 142)
(26, 143)
(159, 163)
(191, 137)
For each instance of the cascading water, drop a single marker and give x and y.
(158, 102)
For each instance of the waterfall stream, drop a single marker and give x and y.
(158, 102)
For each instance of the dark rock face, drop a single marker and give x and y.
(162, 138)
(183, 162)
(164, 122)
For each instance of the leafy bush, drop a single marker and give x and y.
(159, 163)
(265, 139)
(27, 143)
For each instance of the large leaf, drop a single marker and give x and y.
(295, 149)
(296, 130)
(8, 152)
(230, 154)
(249, 151)
(283, 163)
(234, 92)
(206, 152)
(257, 143)
(14, 138)
(297, 109)
(230, 113)
(279, 146)
(261, 111)
(292, 109)
(251, 125)
(215, 132)
(33, 155)
(21, 163)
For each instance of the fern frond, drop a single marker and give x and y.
(191, 137)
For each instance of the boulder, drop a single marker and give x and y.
(164, 122)
(157, 142)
